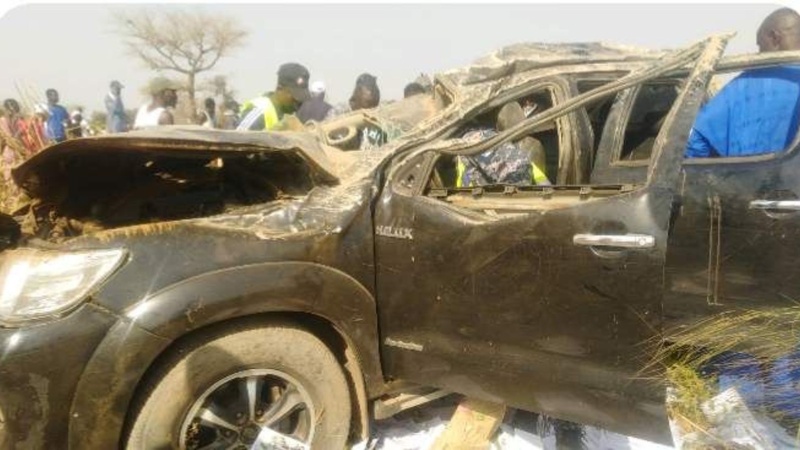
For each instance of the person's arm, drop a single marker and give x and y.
(710, 135)
(698, 146)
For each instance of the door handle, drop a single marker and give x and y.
(776, 205)
(615, 240)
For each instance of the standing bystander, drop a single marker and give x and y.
(315, 108)
(116, 120)
(157, 111)
(267, 112)
(57, 118)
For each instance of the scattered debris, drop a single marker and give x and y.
(425, 427)
(472, 426)
(734, 378)
(729, 423)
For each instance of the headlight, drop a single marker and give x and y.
(39, 283)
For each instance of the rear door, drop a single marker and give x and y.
(539, 297)
(734, 238)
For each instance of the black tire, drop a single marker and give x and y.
(191, 372)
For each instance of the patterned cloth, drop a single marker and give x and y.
(371, 138)
(505, 164)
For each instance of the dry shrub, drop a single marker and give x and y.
(753, 344)
(691, 391)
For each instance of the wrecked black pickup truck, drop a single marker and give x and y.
(184, 288)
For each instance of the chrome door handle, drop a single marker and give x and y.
(779, 205)
(615, 240)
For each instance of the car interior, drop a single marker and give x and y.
(650, 107)
(649, 111)
(445, 173)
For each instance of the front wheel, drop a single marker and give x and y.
(266, 387)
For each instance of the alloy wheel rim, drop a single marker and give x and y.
(250, 409)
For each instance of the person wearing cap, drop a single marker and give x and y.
(266, 112)
(155, 113)
(116, 121)
(316, 108)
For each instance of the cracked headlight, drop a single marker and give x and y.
(39, 283)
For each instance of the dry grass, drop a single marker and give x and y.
(685, 354)
(764, 334)
(691, 391)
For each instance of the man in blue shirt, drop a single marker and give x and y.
(57, 118)
(757, 112)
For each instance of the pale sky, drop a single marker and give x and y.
(73, 49)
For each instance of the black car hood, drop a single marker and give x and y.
(327, 164)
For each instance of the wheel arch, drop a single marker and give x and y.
(338, 343)
(327, 302)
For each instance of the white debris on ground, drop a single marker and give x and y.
(419, 428)
(732, 422)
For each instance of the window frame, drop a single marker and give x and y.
(559, 92)
(738, 63)
(618, 138)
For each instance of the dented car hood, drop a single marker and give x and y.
(326, 163)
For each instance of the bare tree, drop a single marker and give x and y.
(185, 42)
(219, 86)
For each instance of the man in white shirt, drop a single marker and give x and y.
(157, 112)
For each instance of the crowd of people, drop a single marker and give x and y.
(51, 122)
(293, 95)
(23, 135)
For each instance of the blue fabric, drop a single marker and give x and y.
(755, 113)
(116, 122)
(55, 128)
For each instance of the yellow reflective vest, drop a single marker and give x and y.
(255, 109)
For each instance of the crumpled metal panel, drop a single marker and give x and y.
(524, 57)
(325, 209)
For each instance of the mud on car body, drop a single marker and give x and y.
(190, 288)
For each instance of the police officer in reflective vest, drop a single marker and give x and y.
(266, 112)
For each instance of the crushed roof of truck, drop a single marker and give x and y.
(523, 57)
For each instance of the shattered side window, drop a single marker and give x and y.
(650, 108)
(530, 160)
